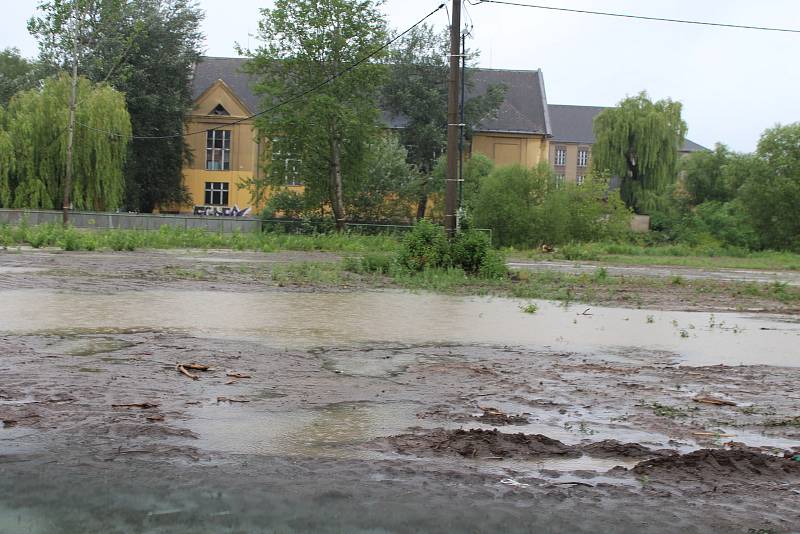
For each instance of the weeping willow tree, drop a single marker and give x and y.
(638, 141)
(33, 147)
(6, 162)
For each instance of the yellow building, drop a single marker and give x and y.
(228, 153)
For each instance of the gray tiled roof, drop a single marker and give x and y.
(573, 124)
(524, 109)
(228, 69)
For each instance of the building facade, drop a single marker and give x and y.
(572, 138)
(228, 153)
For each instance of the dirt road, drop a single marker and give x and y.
(791, 278)
(357, 431)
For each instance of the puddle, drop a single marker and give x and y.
(336, 430)
(85, 346)
(340, 430)
(306, 320)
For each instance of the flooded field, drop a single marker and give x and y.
(362, 411)
(306, 320)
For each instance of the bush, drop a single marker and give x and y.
(424, 247)
(469, 249)
(527, 208)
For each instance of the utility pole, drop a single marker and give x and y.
(71, 124)
(462, 120)
(453, 124)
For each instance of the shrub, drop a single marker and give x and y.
(469, 250)
(424, 247)
(493, 265)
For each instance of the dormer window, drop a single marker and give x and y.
(219, 110)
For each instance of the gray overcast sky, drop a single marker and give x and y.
(733, 83)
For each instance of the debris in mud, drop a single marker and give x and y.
(142, 405)
(155, 418)
(713, 400)
(237, 375)
(183, 371)
(196, 366)
(493, 416)
(512, 482)
(7, 423)
(231, 399)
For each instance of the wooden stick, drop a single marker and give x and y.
(183, 371)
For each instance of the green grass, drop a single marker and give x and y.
(50, 235)
(668, 255)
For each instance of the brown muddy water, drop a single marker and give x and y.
(305, 320)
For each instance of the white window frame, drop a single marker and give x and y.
(580, 179)
(291, 165)
(216, 193)
(560, 180)
(218, 150)
(583, 157)
(561, 156)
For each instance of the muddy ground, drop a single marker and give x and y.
(644, 287)
(102, 433)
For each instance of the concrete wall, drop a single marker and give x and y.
(131, 221)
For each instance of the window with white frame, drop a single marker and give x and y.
(218, 150)
(559, 180)
(579, 179)
(216, 193)
(291, 165)
(292, 171)
(583, 157)
(561, 156)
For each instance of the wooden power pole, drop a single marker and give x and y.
(71, 124)
(453, 124)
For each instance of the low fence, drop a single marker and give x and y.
(226, 225)
(131, 221)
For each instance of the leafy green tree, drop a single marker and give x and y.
(416, 93)
(32, 149)
(704, 176)
(771, 193)
(639, 141)
(146, 49)
(329, 130)
(507, 200)
(384, 185)
(16, 74)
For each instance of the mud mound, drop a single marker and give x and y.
(611, 448)
(712, 463)
(479, 444)
(492, 416)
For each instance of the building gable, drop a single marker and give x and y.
(220, 97)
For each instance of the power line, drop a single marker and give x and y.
(638, 17)
(283, 102)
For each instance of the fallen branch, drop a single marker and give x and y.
(714, 400)
(196, 366)
(183, 371)
(142, 405)
(237, 375)
(229, 399)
